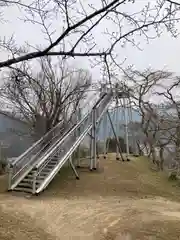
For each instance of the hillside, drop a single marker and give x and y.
(120, 201)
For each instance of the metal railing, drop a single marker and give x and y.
(27, 160)
(81, 126)
(59, 142)
(31, 155)
(66, 146)
(63, 160)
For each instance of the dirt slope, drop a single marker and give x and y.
(120, 201)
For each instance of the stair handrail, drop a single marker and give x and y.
(30, 149)
(33, 155)
(34, 145)
(103, 106)
(88, 115)
(44, 158)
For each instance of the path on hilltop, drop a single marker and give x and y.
(123, 200)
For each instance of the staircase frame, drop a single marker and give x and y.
(67, 142)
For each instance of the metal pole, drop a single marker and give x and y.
(91, 150)
(78, 134)
(135, 150)
(73, 167)
(10, 174)
(109, 136)
(94, 140)
(97, 141)
(117, 139)
(105, 129)
(126, 129)
(116, 124)
(97, 146)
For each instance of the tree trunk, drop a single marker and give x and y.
(161, 156)
(177, 157)
(152, 153)
(140, 152)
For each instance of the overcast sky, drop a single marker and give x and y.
(159, 53)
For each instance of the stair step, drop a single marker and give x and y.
(30, 173)
(40, 177)
(30, 178)
(28, 183)
(53, 162)
(50, 167)
(39, 181)
(25, 184)
(27, 180)
(44, 174)
(21, 189)
(46, 169)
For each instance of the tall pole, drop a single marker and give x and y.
(105, 129)
(78, 133)
(135, 151)
(117, 124)
(97, 141)
(94, 139)
(126, 128)
(108, 137)
(91, 151)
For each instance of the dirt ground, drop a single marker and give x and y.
(122, 200)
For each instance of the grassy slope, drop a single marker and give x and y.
(131, 180)
(147, 184)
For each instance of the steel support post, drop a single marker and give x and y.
(109, 134)
(117, 128)
(91, 150)
(105, 129)
(94, 139)
(126, 129)
(97, 139)
(97, 147)
(117, 139)
(73, 167)
(78, 134)
(10, 174)
(97, 142)
(135, 150)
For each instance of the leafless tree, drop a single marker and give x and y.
(116, 22)
(48, 96)
(153, 125)
(170, 93)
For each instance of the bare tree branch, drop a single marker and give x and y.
(79, 26)
(48, 94)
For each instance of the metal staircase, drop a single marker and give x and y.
(34, 170)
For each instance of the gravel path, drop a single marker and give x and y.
(118, 202)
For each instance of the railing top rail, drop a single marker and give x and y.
(43, 158)
(29, 150)
(99, 101)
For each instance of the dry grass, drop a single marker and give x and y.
(123, 200)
